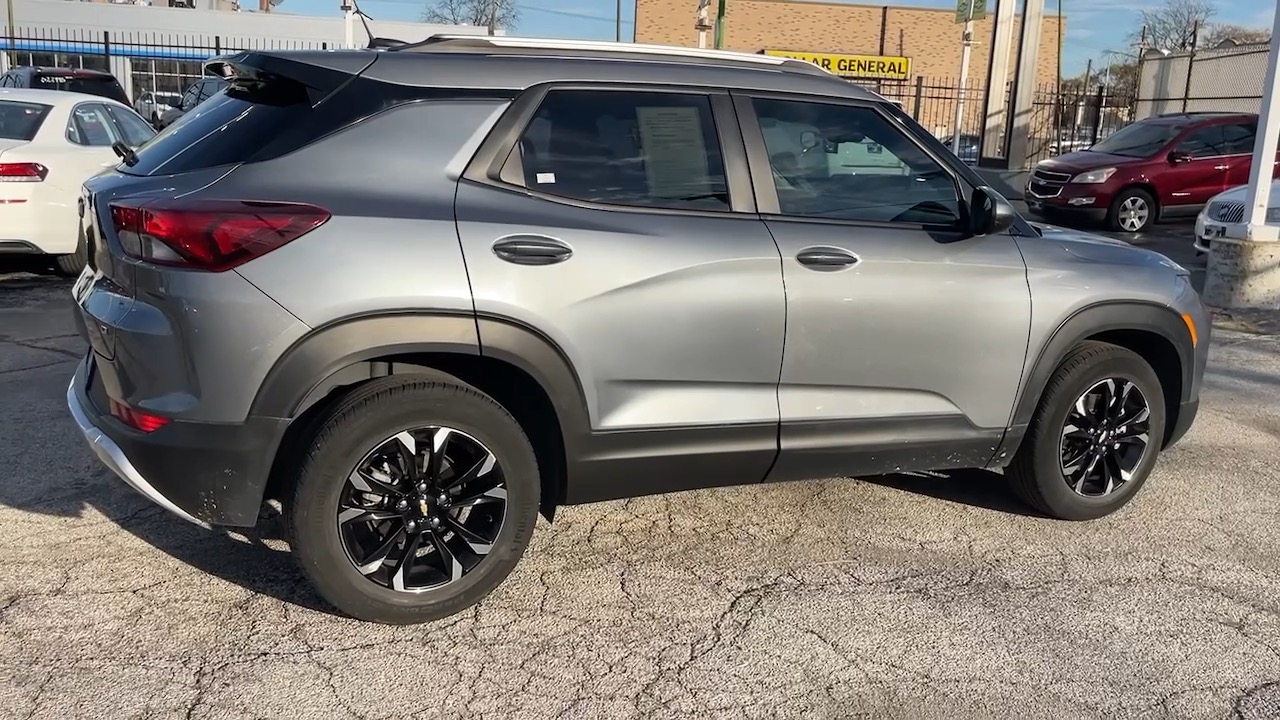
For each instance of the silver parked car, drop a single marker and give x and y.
(421, 293)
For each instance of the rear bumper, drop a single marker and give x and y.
(206, 473)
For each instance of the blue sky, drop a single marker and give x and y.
(1093, 26)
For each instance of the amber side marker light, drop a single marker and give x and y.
(1191, 328)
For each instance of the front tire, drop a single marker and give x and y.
(1133, 211)
(1095, 436)
(415, 499)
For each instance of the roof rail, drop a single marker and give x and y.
(444, 40)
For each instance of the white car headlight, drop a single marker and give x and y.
(1093, 177)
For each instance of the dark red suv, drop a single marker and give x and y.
(1162, 166)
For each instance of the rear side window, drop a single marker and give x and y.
(99, 85)
(21, 120)
(638, 149)
(222, 131)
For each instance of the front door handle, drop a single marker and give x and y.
(532, 249)
(826, 258)
(1221, 167)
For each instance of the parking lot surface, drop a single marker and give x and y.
(924, 596)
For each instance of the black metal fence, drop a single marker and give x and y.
(141, 61)
(1061, 120)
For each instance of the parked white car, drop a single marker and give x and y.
(50, 143)
(1227, 208)
(152, 104)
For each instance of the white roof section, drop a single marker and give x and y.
(67, 21)
(54, 98)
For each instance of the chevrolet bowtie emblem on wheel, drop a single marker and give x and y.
(422, 506)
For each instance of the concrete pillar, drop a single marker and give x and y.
(122, 68)
(1244, 267)
(997, 102)
(1024, 88)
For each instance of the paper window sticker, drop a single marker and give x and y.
(546, 178)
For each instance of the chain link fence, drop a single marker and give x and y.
(1228, 78)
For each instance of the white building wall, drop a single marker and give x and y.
(45, 16)
(129, 37)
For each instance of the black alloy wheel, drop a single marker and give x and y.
(422, 509)
(1105, 437)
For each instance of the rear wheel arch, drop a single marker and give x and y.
(1155, 332)
(521, 369)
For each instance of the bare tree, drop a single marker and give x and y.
(1218, 32)
(1172, 26)
(491, 13)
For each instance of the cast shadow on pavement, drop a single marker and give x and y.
(976, 488)
(256, 559)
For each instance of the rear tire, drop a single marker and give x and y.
(71, 265)
(1133, 211)
(1069, 424)
(341, 555)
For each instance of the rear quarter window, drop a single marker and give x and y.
(21, 120)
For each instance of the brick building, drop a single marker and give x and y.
(892, 47)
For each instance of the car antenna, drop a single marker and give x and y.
(374, 42)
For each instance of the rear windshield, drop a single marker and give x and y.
(21, 120)
(99, 85)
(223, 130)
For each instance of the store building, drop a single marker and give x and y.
(902, 51)
(161, 47)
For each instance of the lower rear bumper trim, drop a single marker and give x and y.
(114, 458)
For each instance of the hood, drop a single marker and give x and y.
(1075, 162)
(1236, 194)
(1097, 248)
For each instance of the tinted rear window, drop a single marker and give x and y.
(223, 130)
(98, 85)
(20, 120)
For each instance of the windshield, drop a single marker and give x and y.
(20, 120)
(1139, 140)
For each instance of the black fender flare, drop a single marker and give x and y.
(339, 353)
(1092, 320)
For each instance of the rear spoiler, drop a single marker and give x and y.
(317, 73)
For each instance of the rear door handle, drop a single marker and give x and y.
(826, 258)
(532, 249)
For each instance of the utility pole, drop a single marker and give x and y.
(348, 21)
(617, 28)
(966, 12)
(13, 30)
(702, 22)
(720, 25)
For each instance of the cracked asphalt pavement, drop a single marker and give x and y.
(902, 597)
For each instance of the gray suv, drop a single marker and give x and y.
(421, 294)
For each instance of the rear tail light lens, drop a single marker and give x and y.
(23, 172)
(212, 235)
(136, 419)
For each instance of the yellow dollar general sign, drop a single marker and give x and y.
(854, 66)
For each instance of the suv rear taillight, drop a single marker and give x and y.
(212, 235)
(23, 172)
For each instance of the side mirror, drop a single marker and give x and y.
(989, 213)
(809, 140)
(1177, 157)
